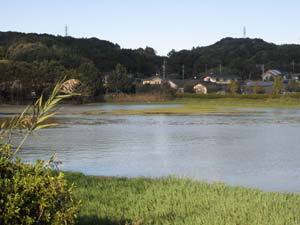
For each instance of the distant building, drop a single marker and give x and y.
(186, 85)
(221, 78)
(294, 76)
(197, 86)
(271, 74)
(200, 89)
(155, 80)
(172, 84)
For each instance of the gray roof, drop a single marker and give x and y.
(224, 76)
(259, 83)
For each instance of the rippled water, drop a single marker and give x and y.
(253, 149)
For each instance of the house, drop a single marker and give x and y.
(271, 75)
(155, 80)
(196, 86)
(294, 76)
(172, 84)
(185, 85)
(200, 89)
(221, 78)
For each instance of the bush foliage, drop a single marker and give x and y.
(33, 194)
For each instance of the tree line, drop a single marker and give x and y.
(37, 61)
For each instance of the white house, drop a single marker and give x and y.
(221, 78)
(156, 80)
(271, 74)
(200, 89)
(172, 84)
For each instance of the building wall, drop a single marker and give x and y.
(200, 89)
(155, 81)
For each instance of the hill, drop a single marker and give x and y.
(241, 56)
(38, 60)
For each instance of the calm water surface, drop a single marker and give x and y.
(258, 150)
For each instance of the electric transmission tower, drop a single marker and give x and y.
(244, 32)
(66, 31)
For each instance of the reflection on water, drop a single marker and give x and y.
(253, 149)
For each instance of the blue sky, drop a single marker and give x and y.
(161, 24)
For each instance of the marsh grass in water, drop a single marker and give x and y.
(212, 105)
(118, 201)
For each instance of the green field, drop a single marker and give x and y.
(120, 201)
(211, 104)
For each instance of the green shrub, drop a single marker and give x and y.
(277, 86)
(33, 194)
(234, 87)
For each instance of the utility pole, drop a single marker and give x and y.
(205, 68)
(220, 69)
(244, 32)
(182, 70)
(263, 69)
(164, 69)
(293, 64)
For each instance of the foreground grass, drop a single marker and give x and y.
(114, 201)
(194, 106)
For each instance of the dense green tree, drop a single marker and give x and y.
(38, 60)
(257, 89)
(293, 86)
(234, 87)
(277, 86)
(92, 78)
(119, 81)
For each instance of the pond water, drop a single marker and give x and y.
(251, 149)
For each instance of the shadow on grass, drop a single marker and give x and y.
(95, 220)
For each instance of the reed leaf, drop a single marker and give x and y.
(34, 117)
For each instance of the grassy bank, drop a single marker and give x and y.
(228, 104)
(117, 201)
(136, 98)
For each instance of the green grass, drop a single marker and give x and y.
(230, 105)
(118, 201)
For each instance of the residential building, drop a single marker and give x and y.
(221, 78)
